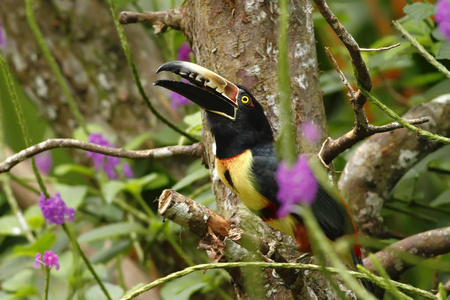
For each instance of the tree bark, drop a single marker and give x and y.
(239, 40)
(379, 163)
(84, 41)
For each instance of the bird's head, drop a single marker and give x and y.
(235, 118)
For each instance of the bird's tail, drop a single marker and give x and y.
(356, 256)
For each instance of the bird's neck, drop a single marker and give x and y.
(230, 146)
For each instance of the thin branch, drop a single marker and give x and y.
(161, 20)
(332, 148)
(352, 46)
(298, 266)
(394, 258)
(341, 74)
(393, 115)
(379, 49)
(440, 67)
(190, 150)
(137, 80)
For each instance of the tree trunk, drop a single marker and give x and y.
(239, 40)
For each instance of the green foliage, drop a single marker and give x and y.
(117, 219)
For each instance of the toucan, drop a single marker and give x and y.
(246, 159)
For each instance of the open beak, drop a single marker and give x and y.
(210, 91)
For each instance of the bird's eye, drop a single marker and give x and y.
(245, 99)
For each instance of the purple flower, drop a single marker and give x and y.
(184, 52)
(2, 38)
(49, 260)
(101, 161)
(310, 132)
(55, 210)
(295, 185)
(442, 17)
(127, 170)
(44, 162)
(178, 100)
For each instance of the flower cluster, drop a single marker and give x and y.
(107, 163)
(55, 210)
(295, 185)
(442, 17)
(49, 259)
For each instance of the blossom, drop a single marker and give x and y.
(102, 161)
(178, 100)
(295, 185)
(184, 52)
(49, 259)
(44, 162)
(442, 17)
(2, 38)
(55, 210)
(310, 131)
(127, 170)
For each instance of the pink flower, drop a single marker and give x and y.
(184, 52)
(55, 210)
(442, 17)
(127, 170)
(310, 131)
(49, 260)
(44, 162)
(295, 185)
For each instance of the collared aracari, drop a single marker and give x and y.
(246, 159)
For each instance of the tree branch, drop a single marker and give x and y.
(333, 148)
(362, 129)
(377, 165)
(195, 150)
(161, 20)
(394, 258)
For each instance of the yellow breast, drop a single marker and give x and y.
(235, 173)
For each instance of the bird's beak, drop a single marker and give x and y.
(210, 91)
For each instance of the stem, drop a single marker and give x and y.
(77, 247)
(440, 67)
(126, 49)
(320, 243)
(16, 210)
(47, 282)
(287, 147)
(393, 115)
(54, 66)
(21, 118)
(361, 275)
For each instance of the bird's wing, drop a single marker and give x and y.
(330, 213)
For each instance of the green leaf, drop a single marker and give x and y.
(34, 217)
(194, 119)
(42, 244)
(96, 293)
(105, 255)
(110, 190)
(183, 288)
(72, 195)
(419, 11)
(109, 231)
(137, 141)
(196, 175)
(442, 199)
(18, 281)
(444, 51)
(138, 184)
(134, 288)
(9, 225)
(65, 169)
